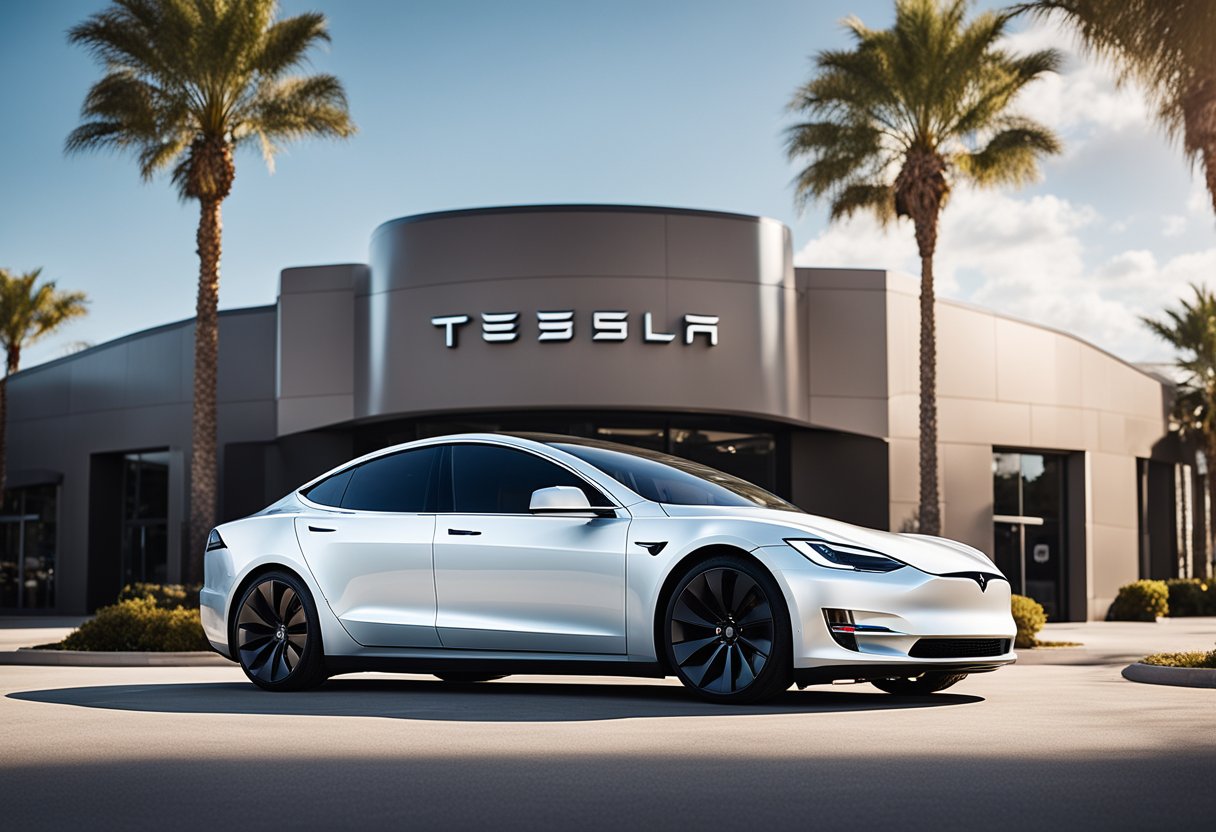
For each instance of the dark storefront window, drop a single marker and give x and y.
(728, 445)
(1029, 528)
(28, 547)
(145, 526)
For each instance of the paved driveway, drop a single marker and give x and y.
(1042, 745)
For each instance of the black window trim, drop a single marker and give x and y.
(448, 461)
(432, 496)
(445, 473)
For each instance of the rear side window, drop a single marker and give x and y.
(329, 491)
(400, 482)
(489, 479)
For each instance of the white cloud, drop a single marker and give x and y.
(1173, 225)
(1025, 257)
(1083, 97)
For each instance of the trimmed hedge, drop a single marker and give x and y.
(1195, 658)
(1191, 596)
(1029, 616)
(1140, 601)
(147, 618)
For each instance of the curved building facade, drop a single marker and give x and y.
(685, 331)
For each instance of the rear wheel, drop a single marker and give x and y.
(728, 632)
(461, 677)
(277, 634)
(921, 685)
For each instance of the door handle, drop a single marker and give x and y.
(320, 529)
(462, 531)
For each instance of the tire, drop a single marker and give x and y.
(276, 634)
(465, 677)
(726, 632)
(921, 685)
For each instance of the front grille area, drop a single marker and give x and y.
(959, 648)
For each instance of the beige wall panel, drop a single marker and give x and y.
(902, 516)
(967, 488)
(983, 422)
(1061, 428)
(905, 470)
(966, 352)
(903, 416)
(1112, 432)
(1025, 362)
(1115, 563)
(1112, 484)
(865, 416)
(848, 345)
(903, 340)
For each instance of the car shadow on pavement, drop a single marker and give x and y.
(509, 701)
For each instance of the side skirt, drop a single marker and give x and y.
(335, 665)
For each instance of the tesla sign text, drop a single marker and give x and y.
(504, 327)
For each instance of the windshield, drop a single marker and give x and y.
(662, 478)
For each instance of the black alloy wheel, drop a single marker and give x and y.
(921, 685)
(277, 634)
(728, 632)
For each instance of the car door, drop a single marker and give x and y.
(508, 580)
(370, 548)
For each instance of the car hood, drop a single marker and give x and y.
(935, 555)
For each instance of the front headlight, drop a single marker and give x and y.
(841, 556)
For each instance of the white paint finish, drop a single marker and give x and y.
(375, 572)
(547, 583)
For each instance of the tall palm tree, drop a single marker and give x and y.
(28, 311)
(1169, 47)
(1191, 330)
(895, 122)
(186, 83)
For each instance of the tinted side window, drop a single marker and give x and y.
(488, 479)
(401, 482)
(329, 491)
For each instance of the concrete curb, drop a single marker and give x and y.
(88, 658)
(1187, 677)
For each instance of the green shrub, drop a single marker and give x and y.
(1195, 658)
(1191, 596)
(140, 624)
(167, 596)
(1029, 616)
(1140, 601)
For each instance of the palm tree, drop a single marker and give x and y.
(894, 123)
(1169, 47)
(186, 83)
(27, 313)
(1191, 330)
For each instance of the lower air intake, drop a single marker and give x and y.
(959, 648)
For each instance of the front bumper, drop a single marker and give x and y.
(904, 607)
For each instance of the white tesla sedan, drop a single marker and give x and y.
(476, 556)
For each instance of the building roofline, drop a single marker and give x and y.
(143, 333)
(571, 208)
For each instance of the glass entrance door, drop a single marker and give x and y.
(1028, 525)
(145, 529)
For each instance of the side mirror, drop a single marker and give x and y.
(565, 499)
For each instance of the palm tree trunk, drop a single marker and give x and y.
(206, 359)
(1204, 570)
(930, 515)
(11, 365)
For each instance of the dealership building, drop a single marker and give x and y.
(689, 332)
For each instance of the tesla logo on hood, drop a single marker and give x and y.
(504, 327)
(981, 578)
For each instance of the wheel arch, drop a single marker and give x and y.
(239, 593)
(686, 564)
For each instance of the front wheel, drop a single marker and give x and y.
(728, 632)
(921, 685)
(277, 634)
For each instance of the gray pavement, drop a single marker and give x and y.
(1043, 744)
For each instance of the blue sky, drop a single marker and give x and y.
(466, 104)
